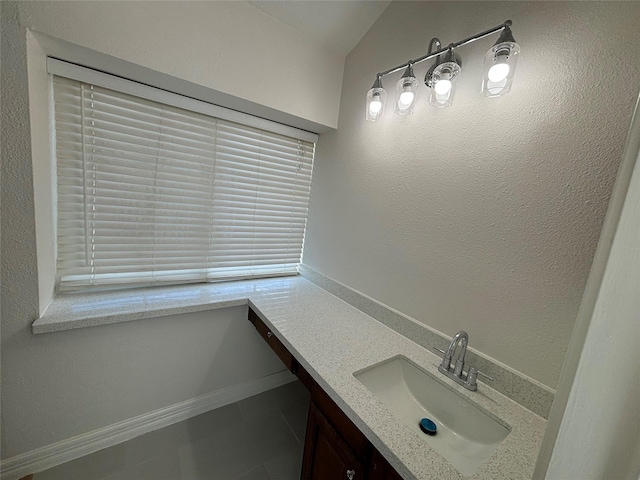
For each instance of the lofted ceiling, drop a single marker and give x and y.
(339, 25)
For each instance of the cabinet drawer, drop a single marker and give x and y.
(273, 342)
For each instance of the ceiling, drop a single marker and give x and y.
(339, 25)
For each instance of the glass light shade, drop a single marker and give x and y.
(499, 67)
(443, 84)
(376, 98)
(406, 91)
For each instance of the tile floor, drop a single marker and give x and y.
(259, 438)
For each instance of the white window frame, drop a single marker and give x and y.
(38, 48)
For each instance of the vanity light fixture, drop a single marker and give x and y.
(441, 78)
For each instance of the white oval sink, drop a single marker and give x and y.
(466, 435)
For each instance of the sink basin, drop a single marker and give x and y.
(466, 435)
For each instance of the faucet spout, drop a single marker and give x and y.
(461, 338)
(462, 354)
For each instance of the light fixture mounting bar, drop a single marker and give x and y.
(473, 38)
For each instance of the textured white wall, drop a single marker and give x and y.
(599, 436)
(604, 339)
(483, 216)
(229, 46)
(56, 386)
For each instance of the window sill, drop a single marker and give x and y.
(80, 310)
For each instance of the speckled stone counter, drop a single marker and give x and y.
(332, 340)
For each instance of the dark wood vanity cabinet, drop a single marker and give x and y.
(335, 448)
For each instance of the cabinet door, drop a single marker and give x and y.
(326, 455)
(379, 468)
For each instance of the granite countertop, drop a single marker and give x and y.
(331, 340)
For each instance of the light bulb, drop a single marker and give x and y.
(375, 106)
(498, 72)
(443, 82)
(442, 87)
(405, 99)
(406, 92)
(376, 97)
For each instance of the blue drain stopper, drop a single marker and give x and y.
(428, 426)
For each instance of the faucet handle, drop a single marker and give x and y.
(439, 350)
(472, 376)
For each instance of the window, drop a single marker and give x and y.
(151, 193)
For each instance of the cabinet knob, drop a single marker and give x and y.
(269, 334)
(351, 474)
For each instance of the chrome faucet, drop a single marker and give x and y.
(456, 371)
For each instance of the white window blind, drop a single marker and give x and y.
(150, 193)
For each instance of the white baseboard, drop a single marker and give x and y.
(60, 452)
